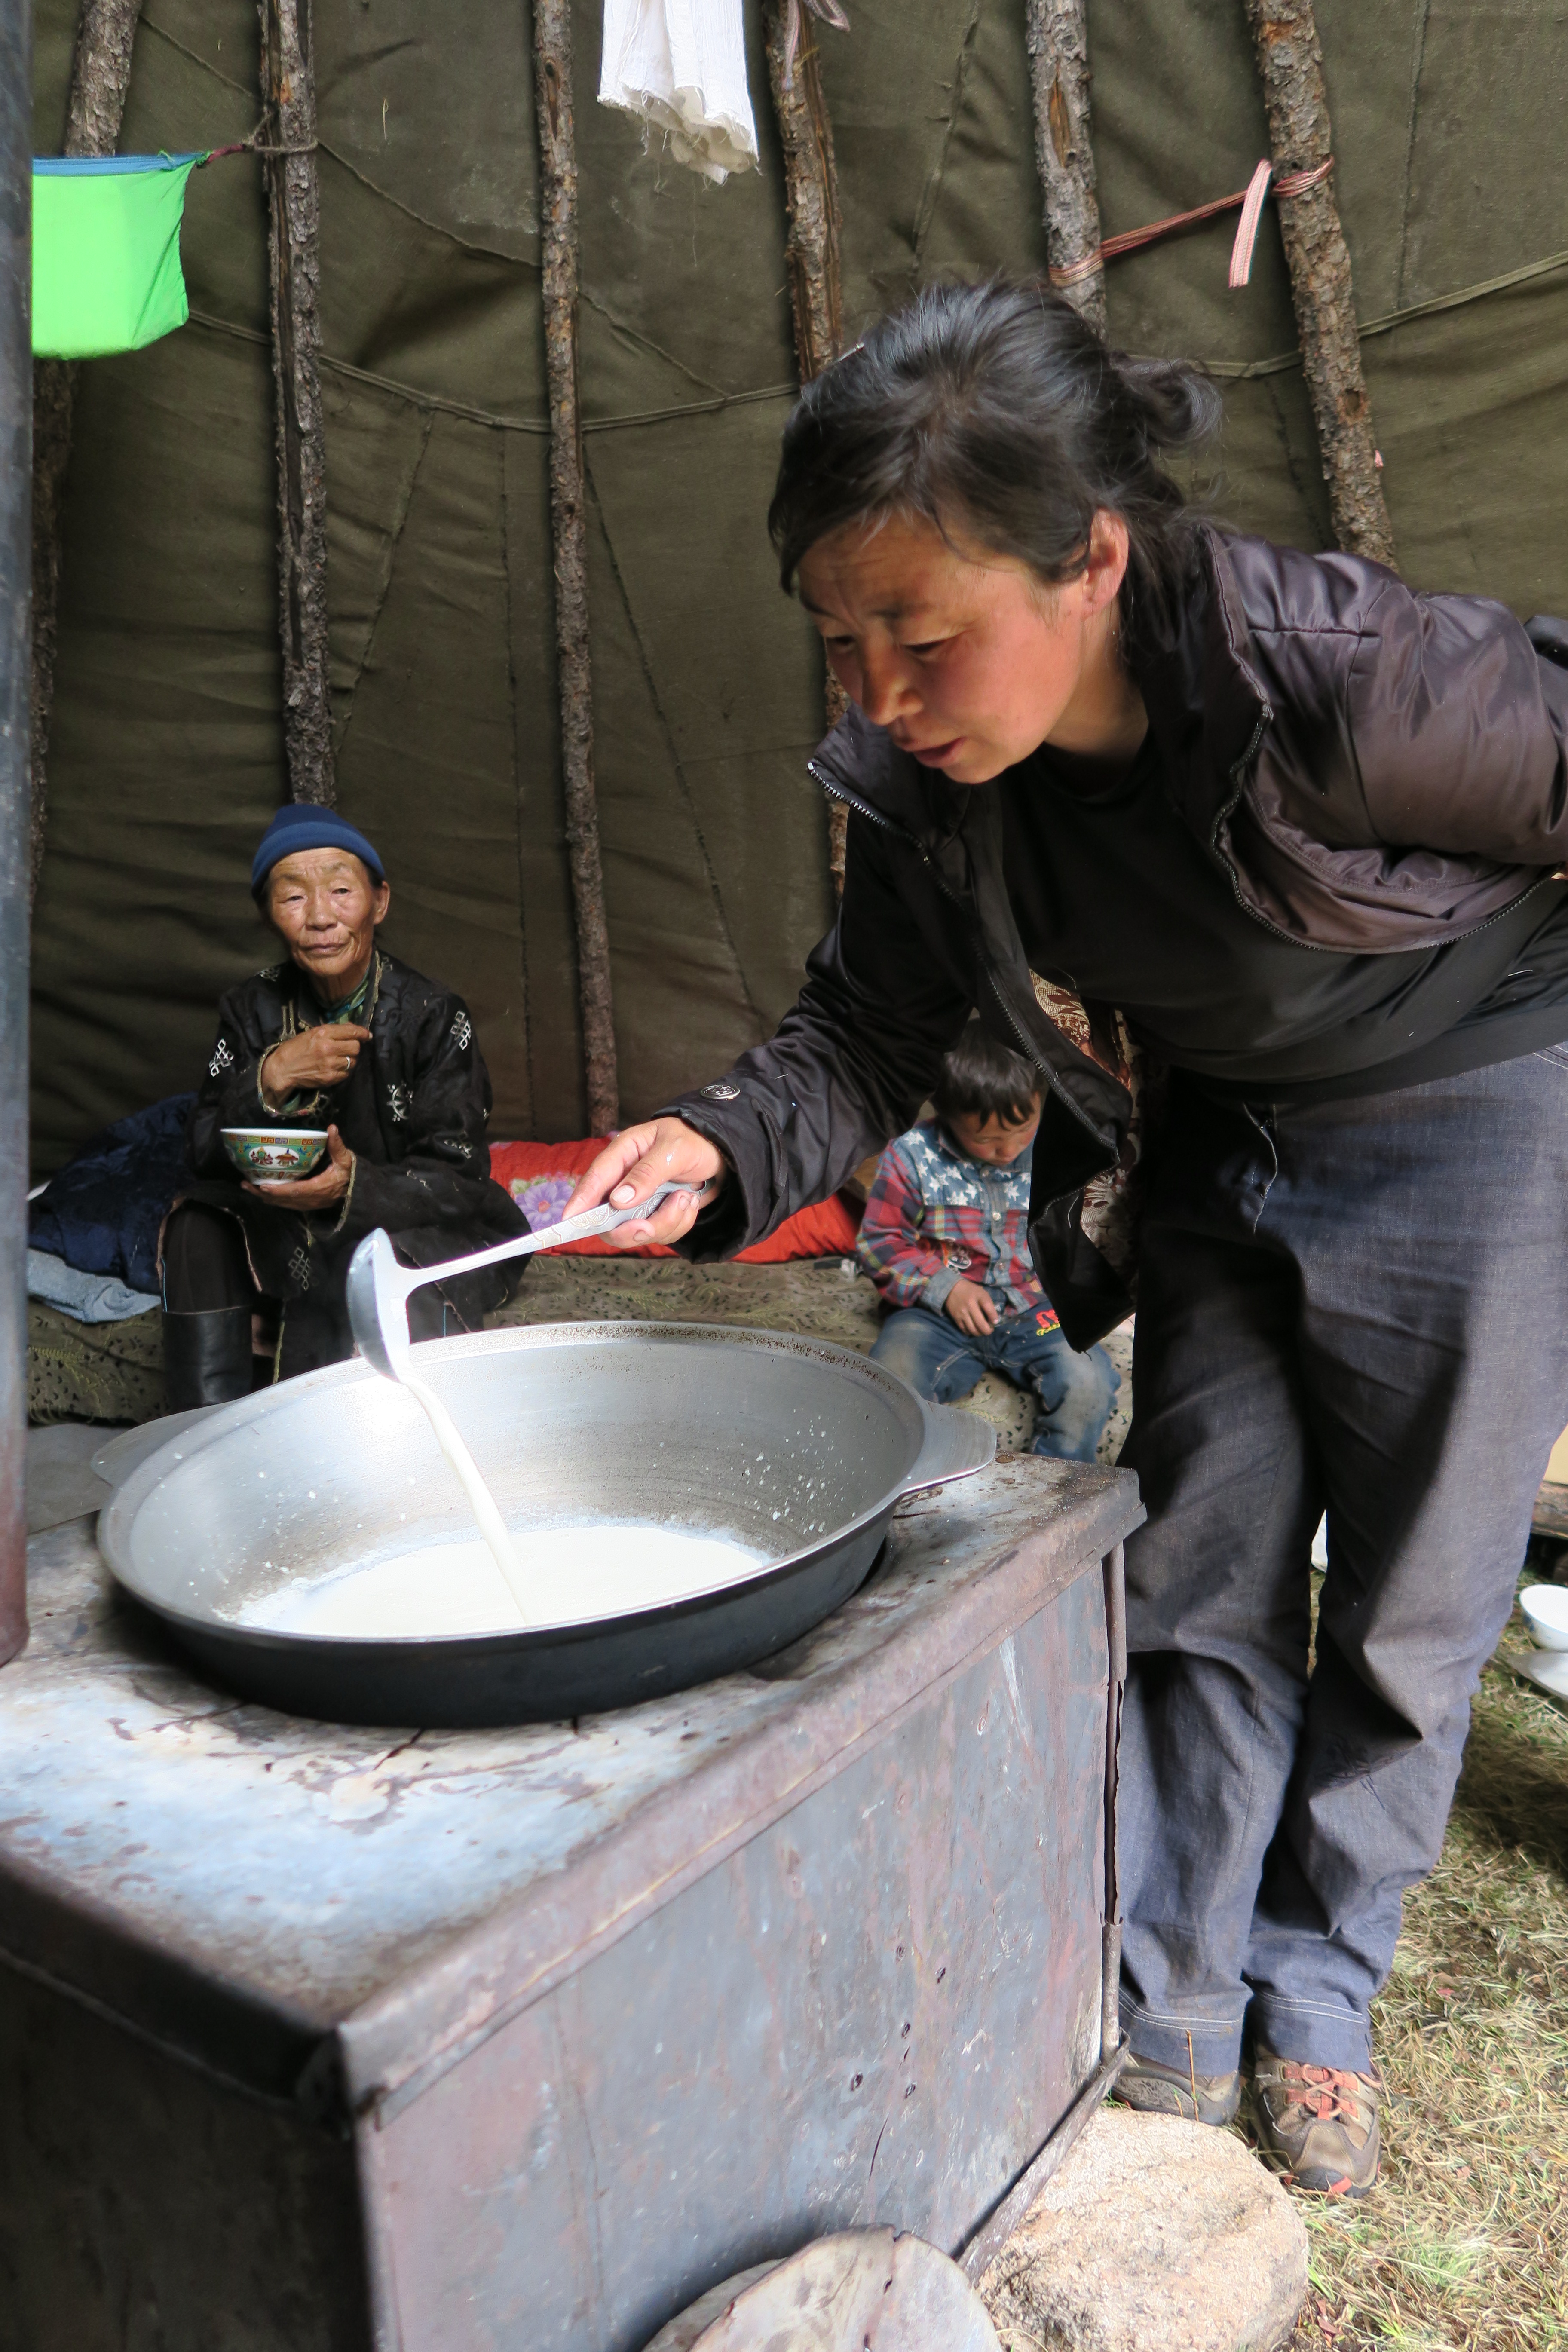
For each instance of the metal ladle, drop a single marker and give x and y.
(378, 1295)
(379, 1289)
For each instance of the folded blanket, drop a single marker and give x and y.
(90, 1298)
(103, 1210)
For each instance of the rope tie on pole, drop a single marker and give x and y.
(252, 146)
(1287, 185)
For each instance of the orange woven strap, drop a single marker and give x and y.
(1250, 201)
(1325, 2092)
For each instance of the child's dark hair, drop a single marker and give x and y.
(996, 412)
(986, 1080)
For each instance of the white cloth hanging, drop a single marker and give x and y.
(681, 66)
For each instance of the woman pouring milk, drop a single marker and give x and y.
(1253, 854)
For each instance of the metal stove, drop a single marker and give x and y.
(317, 2038)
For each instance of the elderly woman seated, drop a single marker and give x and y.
(344, 1037)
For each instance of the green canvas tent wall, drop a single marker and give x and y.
(166, 754)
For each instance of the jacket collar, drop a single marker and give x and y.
(1206, 708)
(310, 1012)
(862, 761)
(956, 829)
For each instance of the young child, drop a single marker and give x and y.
(944, 1238)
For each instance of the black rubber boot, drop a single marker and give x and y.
(206, 1357)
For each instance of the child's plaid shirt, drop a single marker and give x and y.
(934, 1216)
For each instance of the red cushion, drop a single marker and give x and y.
(827, 1229)
(511, 1161)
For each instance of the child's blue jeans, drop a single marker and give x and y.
(943, 1363)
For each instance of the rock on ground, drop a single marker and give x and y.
(1154, 2232)
(858, 2290)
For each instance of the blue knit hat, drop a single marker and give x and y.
(301, 825)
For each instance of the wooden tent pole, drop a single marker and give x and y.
(1056, 37)
(811, 255)
(568, 517)
(1290, 61)
(294, 246)
(100, 76)
(811, 190)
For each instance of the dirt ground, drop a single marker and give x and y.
(1464, 2242)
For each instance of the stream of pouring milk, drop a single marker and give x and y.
(574, 1573)
(481, 1502)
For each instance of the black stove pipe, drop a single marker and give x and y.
(16, 653)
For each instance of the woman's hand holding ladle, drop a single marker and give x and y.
(636, 1162)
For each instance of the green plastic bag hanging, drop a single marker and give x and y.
(106, 252)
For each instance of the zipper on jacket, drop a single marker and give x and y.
(1031, 1052)
(1223, 817)
(837, 791)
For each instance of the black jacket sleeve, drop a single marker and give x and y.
(1459, 731)
(228, 1094)
(848, 1068)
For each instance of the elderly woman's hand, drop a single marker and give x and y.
(318, 1191)
(312, 1058)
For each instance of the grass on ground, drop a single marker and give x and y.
(1465, 2240)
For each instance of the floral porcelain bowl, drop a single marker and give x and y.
(273, 1155)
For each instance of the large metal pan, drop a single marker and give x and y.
(799, 1449)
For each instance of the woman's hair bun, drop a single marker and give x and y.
(996, 412)
(1180, 405)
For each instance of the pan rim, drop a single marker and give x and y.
(118, 1514)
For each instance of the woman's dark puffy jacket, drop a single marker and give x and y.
(1376, 771)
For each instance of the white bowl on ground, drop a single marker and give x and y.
(1546, 1607)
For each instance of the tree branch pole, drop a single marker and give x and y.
(558, 221)
(1289, 62)
(1056, 37)
(100, 76)
(16, 639)
(811, 255)
(293, 249)
(811, 190)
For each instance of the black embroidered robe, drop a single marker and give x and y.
(413, 1111)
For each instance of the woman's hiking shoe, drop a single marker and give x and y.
(1156, 2090)
(1320, 2123)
